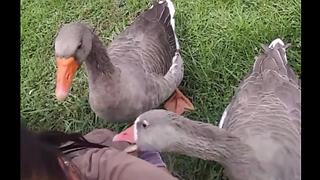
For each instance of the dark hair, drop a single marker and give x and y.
(40, 153)
(37, 160)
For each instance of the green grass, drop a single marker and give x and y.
(219, 40)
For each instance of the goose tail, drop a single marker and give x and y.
(274, 58)
(164, 11)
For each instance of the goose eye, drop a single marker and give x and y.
(145, 124)
(79, 46)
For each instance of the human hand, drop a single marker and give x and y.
(152, 157)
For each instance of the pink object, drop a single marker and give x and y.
(126, 135)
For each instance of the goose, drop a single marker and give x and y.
(259, 134)
(138, 71)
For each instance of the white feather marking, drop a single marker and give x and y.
(160, 2)
(275, 42)
(278, 41)
(171, 8)
(172, 11)
(221, 122)
(135, 129)
(174, 63)
(285, 57)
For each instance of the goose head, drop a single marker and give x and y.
(73, 45)
(157, 130)
(165, 131)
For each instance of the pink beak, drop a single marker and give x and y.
(126, 135)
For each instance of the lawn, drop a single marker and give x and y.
(219, 40)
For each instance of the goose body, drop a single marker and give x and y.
(259, 137)
(138, 71)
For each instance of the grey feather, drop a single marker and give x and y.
(136, 73)
(260, 138)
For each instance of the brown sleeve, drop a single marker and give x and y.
(100, 136)
(104, 136)
(111, 164)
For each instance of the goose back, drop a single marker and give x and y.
(266, 113)
(149, 42)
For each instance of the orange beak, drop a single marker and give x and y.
(126, 136)
(67, 68)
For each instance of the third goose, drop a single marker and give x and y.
(259, 135)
